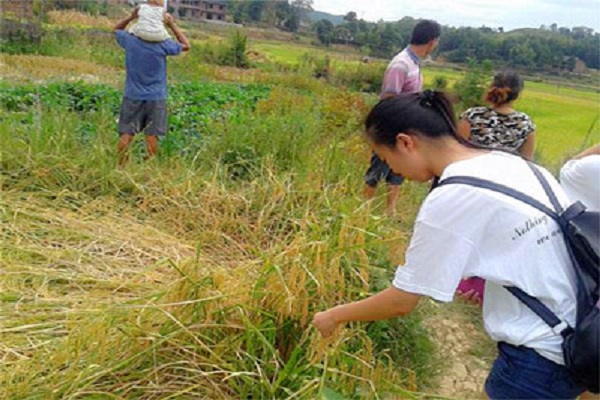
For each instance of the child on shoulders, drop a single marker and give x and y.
(150, 24)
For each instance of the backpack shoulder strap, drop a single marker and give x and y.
(558, 326)
(496, 187)
(549, 192)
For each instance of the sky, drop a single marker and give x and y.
(509, 14)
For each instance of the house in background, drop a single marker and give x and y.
(199, 10)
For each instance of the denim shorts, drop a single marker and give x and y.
(378, 171)
(521, 373)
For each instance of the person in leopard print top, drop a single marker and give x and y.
(500, 126)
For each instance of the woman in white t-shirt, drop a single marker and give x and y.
(580, 178)
(462, 231)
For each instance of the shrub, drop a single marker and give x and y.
(319, 67)
(440, 82)
(20, 37)
(235, 53)
(362, 77)
(472, 87)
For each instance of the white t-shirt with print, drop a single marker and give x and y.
(463, 231)
(581, 181)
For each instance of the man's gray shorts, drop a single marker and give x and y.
(378, 171)
(149, 116)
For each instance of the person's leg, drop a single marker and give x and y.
(129, 124)
(392, 199)
(152, 145)
(589, 396)
(155, 124)
(370, 191)
(123, 148)
(394, 181)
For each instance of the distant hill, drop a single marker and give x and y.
(315, 16)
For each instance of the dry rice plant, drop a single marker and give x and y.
(79, 19)
(124, 307)
(169, 280)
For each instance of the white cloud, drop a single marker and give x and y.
(508, 14)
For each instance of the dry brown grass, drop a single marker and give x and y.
(190, 279)
(33, 67)
(65, 255)
(79, 19)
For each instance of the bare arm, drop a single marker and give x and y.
(124, 22)
(388, 95)
(179, 35)
(528, 148)
(464, 129)
(387, 304)
(594, 150)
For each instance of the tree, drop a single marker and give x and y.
(564, 31)
(570, 63)
(522, 54)
(391, 39)
(341, 34)
(255, 9)
(350, 17)
(302, 7)
(292, 23)
(580, 32)
(471, 88)
(282, 12)
(544, 48)
(306, 5)
(237, 10)
(324, 30)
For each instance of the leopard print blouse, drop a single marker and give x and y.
(498, 131)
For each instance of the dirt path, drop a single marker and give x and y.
(464, 346)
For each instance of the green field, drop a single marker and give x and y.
(292, 53)
(196, 274)
(566, 118)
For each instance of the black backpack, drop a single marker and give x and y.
(581, 231)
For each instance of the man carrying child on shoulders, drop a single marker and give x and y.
(144, 107)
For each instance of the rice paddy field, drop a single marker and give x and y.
(196, 274)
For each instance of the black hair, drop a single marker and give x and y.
(428, 114)
(505, 88)
(425, 31)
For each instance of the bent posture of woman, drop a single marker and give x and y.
(500, 126)
(463, 231)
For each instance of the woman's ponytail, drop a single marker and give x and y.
(498, 95)
(505, 88)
